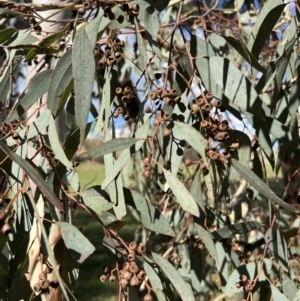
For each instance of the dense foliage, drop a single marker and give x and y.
(209, 94)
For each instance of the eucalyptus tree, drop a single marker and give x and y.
(207, 93)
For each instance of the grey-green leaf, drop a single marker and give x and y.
(38, 86)
(60, 79)
(259, 185)
(207, 240)
(84, 73)
(183, 197)
(55, 144)
(277, 295)
(183, 289)
(34, 175)
(78, 245)
(151, 218)
(110, 146)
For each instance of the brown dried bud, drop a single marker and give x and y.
(2, 215)
(127, 90)
(166, 132)
(159, 91)
(135, 7)
(132, 245)
(6, 229)
(134, 281)
(166, 117)
(173, 93)
(169, 101)
(126, 266)
(244, 279)
(146, 174)
(118, 55)
(206, 107)
(204, 123)
(148, 297)
(127, 275)
(44, 284)
(217, 103)
(134, 268)
(200, 101)
(37, 288)
(203, 168)
(237, 285)
(124, 283)
(141, 275)
(131, 255)
(112, 278)
(223, 127)
(209, 96)
(116, 114)
(103, 278)
(153, 96)
(119, 91)
(156, 122)
(141, 248)
(148, 110)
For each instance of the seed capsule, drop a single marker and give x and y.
(194, 109)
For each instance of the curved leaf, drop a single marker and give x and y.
(38, 86)
(84, 73)
(259, 185)
(56, 146)
(207, 240)
(183, 289)
(78, 245)
(183, 197)
(151, 218)
(61, 77)
(110, 147)
(34, 176)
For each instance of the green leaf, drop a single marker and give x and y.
(34, 176)
(141, 134)
(289, 288)
(152, 25)
(56, 146)
(193, 138)
(259, 185)
(110, 221)
(6, 34)
(151, 218)
(219, 44)
(152, 274)
(23, 37)
(61, 77)
(77, 244)
(38, 86)
(84, 73)
(234, 229)
(200, 48)
(8, 13)
(235, 85)
(183, 289)
(242, 49)
(183, 197)
(110, 147)
(94, 199)
(262, 28)
(205, 236)
(185, 72)
(47, 41)
(278, 247)
(249, 270)
(277, 295)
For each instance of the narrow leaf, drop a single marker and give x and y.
(176, 279)
(183, 197)
(34, 175)
(110, 146)
(60, 79)
(277, 295)
(151, 218)
(78, 245)
(83, 72)
(38, 86)
(207, 240)
(259, 185)
(56, 146)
